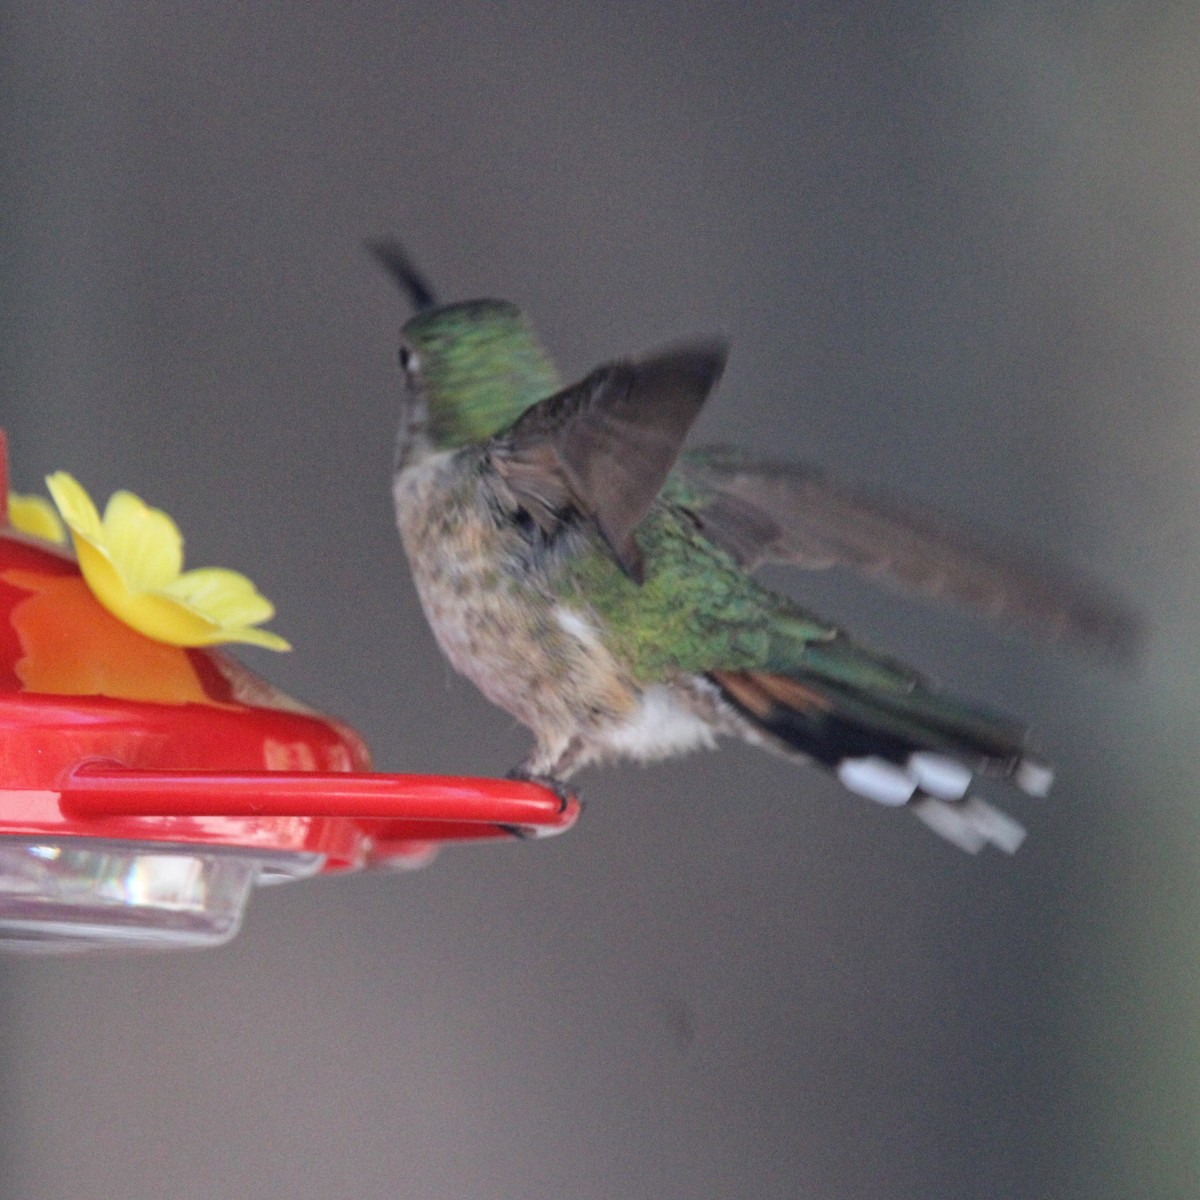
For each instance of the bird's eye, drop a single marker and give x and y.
(408, 360)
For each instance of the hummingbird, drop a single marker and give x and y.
(596, 581)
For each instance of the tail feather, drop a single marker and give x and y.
(912, 747)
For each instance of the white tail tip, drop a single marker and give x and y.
(1033, 778)
(970, 826)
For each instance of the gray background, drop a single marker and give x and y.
(956, 252)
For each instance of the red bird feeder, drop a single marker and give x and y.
(146, 788)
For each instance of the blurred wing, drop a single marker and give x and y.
(778, 512)
(605, 446)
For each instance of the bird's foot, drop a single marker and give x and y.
(557, 786)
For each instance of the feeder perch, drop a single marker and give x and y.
(146, 789)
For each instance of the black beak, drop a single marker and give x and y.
(391, 256)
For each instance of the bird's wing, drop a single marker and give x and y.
(778, 512)
(604, 446)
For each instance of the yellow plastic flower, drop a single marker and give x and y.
(133, 562)
(35, 516)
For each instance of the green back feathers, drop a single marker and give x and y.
(479, 366)
(696, 611)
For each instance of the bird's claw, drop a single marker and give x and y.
(557, 786)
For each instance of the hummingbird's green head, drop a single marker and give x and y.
(470, 370)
